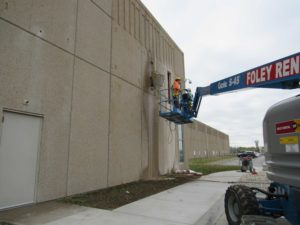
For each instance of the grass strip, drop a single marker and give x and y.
(203, 165)
(206, 169)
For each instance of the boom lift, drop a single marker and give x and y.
(281, 129)
(281, 74)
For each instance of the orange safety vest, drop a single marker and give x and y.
(176, 88)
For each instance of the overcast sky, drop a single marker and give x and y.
(221, 38)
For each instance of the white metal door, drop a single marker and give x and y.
(19, 144)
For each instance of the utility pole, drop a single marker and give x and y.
(256, 145)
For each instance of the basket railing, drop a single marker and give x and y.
(166, 104)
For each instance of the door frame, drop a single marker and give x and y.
(39, 145)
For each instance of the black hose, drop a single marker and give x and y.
(269, 194)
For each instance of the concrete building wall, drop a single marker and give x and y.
(84, 66)
(201, 140)
(140, 46)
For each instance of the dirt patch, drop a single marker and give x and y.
(114, 197)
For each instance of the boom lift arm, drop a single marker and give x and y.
(280, 74)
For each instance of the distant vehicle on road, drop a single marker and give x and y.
(247, 153)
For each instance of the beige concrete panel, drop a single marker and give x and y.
(203, 142)
(55, 21)
(88, 158)
(115, 10)
(189, 141)
(34, 70)
(15, 11)
(93, 35)
(131, 19)
(126, 56)
(187, 154)
(194, 140)
(146, 70)
(89, 130)
(178, 62)
(121, 11)
(147, 129)
(142, 30)
(15, 64)
(151, 41)
(105, 5)
(127, 15)
(137, 23)
(167, 146)
(125, 133)
(145, 145)
(147, 33)
(201, 139)
(56, 69)
(149, 136)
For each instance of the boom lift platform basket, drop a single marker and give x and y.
(169, 111)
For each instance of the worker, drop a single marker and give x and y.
(190, 98)
(176, 89)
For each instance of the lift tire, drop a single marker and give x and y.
(239, 200)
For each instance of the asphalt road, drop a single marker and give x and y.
(257, 162)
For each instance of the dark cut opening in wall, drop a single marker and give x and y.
(169, 86)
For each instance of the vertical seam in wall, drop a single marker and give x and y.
(129, 19)
(109, 106)
(142, 107)
(72, 94)
(118, 13)
(124, 15)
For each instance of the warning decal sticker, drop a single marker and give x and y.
(289, 140)
(292, 126)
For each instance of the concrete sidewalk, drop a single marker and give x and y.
(197, 202)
